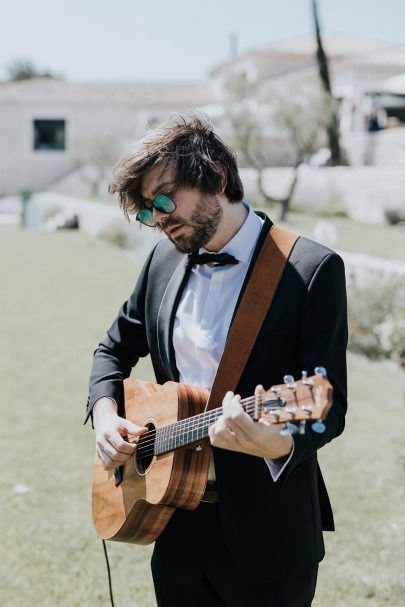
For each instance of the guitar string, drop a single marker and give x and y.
(189, 425)
(208, 419)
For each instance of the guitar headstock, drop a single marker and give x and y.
(309, 398)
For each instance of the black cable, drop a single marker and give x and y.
(109, 573)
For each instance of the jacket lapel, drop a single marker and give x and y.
(166, 316)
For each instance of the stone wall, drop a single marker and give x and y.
(364, 193)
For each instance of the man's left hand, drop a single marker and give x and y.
(236, 431)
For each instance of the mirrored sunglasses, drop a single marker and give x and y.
(161, 203)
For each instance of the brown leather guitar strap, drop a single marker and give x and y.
(252, 311)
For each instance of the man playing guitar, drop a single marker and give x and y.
(257, 539)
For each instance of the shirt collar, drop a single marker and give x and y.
(241, 246)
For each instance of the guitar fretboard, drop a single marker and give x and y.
(292, 405)
(192, 429)
(185, 431)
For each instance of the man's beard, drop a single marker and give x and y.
(204, 223)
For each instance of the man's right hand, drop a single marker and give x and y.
(112, 449)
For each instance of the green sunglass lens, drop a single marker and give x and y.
(146, 217)
(163, 204)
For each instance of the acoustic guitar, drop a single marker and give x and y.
(169, 468)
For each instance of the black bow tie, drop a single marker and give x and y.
(218, 259)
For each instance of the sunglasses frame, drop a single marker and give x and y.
(158, 204)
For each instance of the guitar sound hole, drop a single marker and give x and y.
(145, 449)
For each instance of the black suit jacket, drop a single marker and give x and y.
(271, 528)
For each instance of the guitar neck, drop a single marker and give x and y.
(185, 431)
(193, 429)
(309, 398)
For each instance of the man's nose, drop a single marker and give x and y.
(159, 215)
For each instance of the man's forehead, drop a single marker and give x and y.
(156, 177)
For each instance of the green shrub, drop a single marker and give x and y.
(377, 320)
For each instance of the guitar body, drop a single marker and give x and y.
(138, 508)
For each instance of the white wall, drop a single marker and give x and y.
(363, 192)
(22, 167)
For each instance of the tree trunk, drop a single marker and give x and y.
(323, 67)
(284, 202)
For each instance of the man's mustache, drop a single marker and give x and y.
(171, 221)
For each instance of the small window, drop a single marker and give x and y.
(49, 135)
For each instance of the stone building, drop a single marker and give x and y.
(46, 125)
(361, 72)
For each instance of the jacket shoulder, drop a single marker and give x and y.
(308, 255)
(314, 249)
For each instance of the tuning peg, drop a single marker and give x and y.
(307, 382)
(288, 429)
(289, 381)
(318, 427)
(320, 371)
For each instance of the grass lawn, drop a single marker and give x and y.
(58, 294)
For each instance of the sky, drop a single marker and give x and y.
(172, 40)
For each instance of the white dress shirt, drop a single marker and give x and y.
(205, 312)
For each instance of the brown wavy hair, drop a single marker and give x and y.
(187, 143)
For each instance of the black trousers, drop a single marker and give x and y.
(192, 568)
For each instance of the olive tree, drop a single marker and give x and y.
(253, 116)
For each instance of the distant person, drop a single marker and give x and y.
(258, 540)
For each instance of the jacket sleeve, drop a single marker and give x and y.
(125, 343)
(323, 341)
